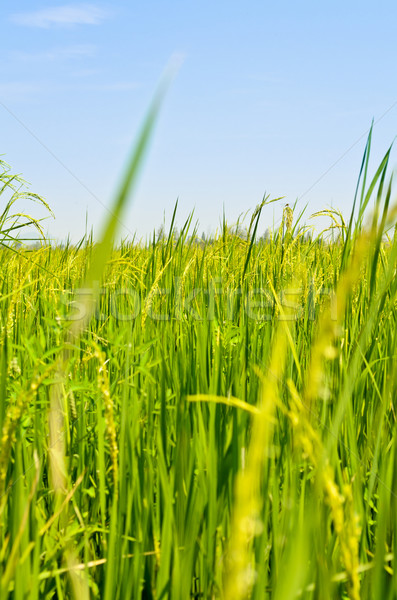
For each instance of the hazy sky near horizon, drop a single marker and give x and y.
(271, 97)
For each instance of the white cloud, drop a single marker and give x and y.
(68, 14)
(18, 90)
(118, 86)
(21, 90)
(59, 53)
(84, 73)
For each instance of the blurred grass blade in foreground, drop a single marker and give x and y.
(86, 300)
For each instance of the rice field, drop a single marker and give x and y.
(193, 418)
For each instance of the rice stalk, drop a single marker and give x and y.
(240, 569)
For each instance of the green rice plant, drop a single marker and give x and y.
(219, 421)
(13, 189)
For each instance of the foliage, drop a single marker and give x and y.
(226, 411)
(13, 189)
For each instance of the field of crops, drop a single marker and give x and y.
(202, 418)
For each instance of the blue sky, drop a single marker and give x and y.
(268, 98)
